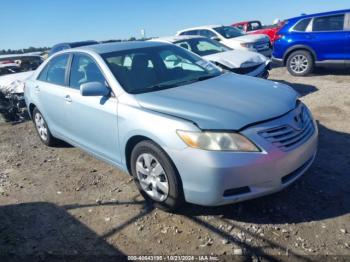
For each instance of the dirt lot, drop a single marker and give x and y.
(61, 201)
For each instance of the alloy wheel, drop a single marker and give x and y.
(41, 126)
(299, 64)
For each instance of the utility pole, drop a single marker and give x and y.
(143, 33)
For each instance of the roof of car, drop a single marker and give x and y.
(200, 27)
(321, 14)
(77, 43)
(176, 38)
(118, 46)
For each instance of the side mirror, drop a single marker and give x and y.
(215, 38)
(94, 89)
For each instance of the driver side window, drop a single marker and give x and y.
(83, 70)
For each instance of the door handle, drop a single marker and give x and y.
(68, 99)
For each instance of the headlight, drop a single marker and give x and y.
(247, 45)
(217, 141)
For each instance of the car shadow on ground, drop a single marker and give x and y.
(324, 70)
(42, 231)
(322, 193)
(302, 89)
(338, 70)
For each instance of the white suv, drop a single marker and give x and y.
(232, 37)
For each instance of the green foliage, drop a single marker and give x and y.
(25, 50)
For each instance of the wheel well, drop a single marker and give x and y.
(31, 109)
(298, 49)
(132, 142)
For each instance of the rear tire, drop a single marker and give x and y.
(43, 129)
(300, 63)
(156, 176)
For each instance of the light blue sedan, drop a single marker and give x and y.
(186, 131)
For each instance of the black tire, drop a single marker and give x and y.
(307, 66)
(50, 140)
(174, 199)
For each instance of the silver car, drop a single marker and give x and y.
(238, 61)
(183, 129)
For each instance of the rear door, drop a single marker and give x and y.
(92, 120)
(327, 37)
(49, 88)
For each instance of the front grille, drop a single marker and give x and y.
(291, 135)
(245, 70)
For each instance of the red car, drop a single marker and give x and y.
(255, 27)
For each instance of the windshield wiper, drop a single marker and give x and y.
(201, 78)
(157, 87)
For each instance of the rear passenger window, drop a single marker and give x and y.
(302, 25)
(84, 70)
(206, 33)
(328, 23)
(55, 71)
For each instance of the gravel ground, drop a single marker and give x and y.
(61, 201)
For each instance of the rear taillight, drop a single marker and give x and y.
(278, 36)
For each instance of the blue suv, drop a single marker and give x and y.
(308, 40)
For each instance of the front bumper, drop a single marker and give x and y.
(216, 178)
(262, 71)
(278, 61)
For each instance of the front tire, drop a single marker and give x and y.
(300, 63)
(43, 129)
(156, 176)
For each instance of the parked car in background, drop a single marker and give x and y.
(256, 27)
(14, 70)
(62, 46)
(310, 40)
(26, 62)
(186, 131)
(12, 104)
(232, 37)
(9, 68)
(237, 61)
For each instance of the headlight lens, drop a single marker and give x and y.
(216, 141)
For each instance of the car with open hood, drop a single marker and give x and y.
(184, 129)
(238, 61)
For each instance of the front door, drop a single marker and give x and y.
(92, 119)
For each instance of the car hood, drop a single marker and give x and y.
(13, 83)
(227, 102)
(237, 58)
(251, 38)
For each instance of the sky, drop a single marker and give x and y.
(39, 23)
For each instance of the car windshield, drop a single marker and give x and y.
(156, 68)
(202, 46)
(228, 31)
